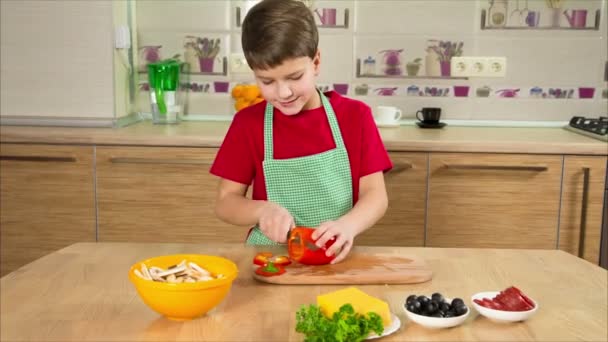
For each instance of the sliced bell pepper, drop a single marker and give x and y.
(280, 260)
(269, 270)
(262, 258)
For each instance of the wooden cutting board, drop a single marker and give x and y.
(357, 268)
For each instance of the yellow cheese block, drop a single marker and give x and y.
(361, 302)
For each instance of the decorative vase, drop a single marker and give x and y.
(431, 64)
(191, 60)
(445, 68)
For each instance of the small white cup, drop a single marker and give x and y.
(387, 115)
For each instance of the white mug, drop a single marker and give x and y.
(387, 115)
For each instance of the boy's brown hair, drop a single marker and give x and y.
(277, 30)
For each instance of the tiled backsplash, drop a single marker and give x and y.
(378, 52)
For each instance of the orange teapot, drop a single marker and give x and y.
(302, 248)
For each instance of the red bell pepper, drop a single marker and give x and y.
(302, 247)
(269, 270)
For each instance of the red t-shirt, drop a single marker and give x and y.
(242, 152)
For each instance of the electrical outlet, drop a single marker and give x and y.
(461, 66)
(496, 67)
(479, 66)
(238, 64)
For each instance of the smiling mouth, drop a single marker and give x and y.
(288, 103)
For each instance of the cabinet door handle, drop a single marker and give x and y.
(43, 159)
(583, 226)
(400, 167)
(158, 161)
(535, 168)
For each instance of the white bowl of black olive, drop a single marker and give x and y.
(436, 311)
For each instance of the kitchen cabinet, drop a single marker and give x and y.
(582, 203)
(157, 194)
(493, 200)
(47, 201)
(403, 223)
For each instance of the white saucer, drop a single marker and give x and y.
(387, 125)
(395, 325)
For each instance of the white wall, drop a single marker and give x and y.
(56, 60)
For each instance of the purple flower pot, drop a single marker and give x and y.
(461, 91)
(206, 64)
(341, 88)
(586, 93)
(445, 68)
(220, 87)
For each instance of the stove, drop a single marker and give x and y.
(592, 127)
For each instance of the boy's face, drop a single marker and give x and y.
(290, 87)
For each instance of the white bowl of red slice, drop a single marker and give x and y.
(509, 305)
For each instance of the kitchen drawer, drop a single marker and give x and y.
(47, 200)
(403, 223)
(154, 194)
(493, 200)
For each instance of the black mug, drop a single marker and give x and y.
(430, 115)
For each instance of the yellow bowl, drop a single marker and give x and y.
(185, 301)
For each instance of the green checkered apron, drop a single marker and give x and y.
(315, 188)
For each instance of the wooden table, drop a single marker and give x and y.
(82, 293)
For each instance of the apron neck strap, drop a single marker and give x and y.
(268, 133)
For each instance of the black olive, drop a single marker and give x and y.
(457, 302)
(412, 308)
(445, 307)
(450, 314)
(424, 308)
(423, 299)
(431, 307)
(460, 310)
(410, 299)
(416, 304)
(437, 314)
(437, 297)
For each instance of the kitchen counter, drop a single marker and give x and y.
(403, 138)
(82, 293)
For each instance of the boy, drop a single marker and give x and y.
(316, 160)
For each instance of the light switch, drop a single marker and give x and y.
(122, 37)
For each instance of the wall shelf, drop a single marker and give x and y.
(359, 75)
(596, 26)
(224, 71)
(345, 26)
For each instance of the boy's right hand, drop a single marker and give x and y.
(275, 222)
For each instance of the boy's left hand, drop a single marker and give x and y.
(345, 235)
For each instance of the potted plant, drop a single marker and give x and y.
(413, 67)
(445, 50)
(205, 49)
